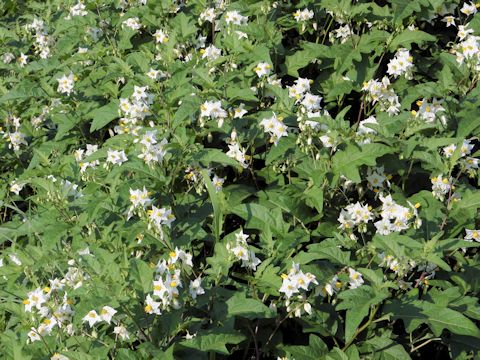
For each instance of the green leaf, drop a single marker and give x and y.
(261, 218)
(301, 58)
(315, 350)
(358, 302)
(346, 162)
(240, 305)
(407, 37)
(216, 205)
(386, 349)
(213, 342)
(209, 156)
(103, 116)
(438, 317)
(141, 275)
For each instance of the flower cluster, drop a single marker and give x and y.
(275, 127)
(365, 134)
(135, 108)
(430, 111)
(468, 163)
(242, 251)
(335, 285)
(401, 64)
(105, 315)
(66, 83)
(140, 200)
(42, 40)
(355, 215)
(467, 50)
(51, 308)
(14, 137)
(152, 151)
(381, 92)
(168, 282)
(295, 281)
(236, 151)
(81, 154)
(115, 157)
(213, 110)
(395, 217)
(442, 186)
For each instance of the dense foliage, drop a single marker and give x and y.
(248, 179)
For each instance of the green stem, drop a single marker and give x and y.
(363, 327)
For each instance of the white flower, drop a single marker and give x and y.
(355, 215)
(468, 9)
(241, 35)
(381, 92)
(35, 299)
(16, 187)
(275, 127)
(333, 286)
(116, 157)
(182, 255)
(449, 150)
(65, 84)
(466, 148)
(296, 280)
(238, 153)
(218, 183)
(152, 307)
(22, 60)
(472, 235)
(449, 20)
(303, 15)
(140, 198)
(342, 33)
(7, 58)
(132, 23)
(189, 336)
(14, 258)
(195, 288)
(464, 31)
(355, 278)
(211, 53)
(239, 111)
(213, 110)
(234, 17)
(311, 102)
(153, 74)
(78, 10)
(107, 313)
(288, 288)
(401, 64)
(33, 335)
(92, 318)
(376, 177)
(327, 141)
(161, 216)
(263, 69)
(208, 15)
(428, 110)
(252, 262)
(441, 186)
(160, 37)
(240, 252)
(121, 331)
